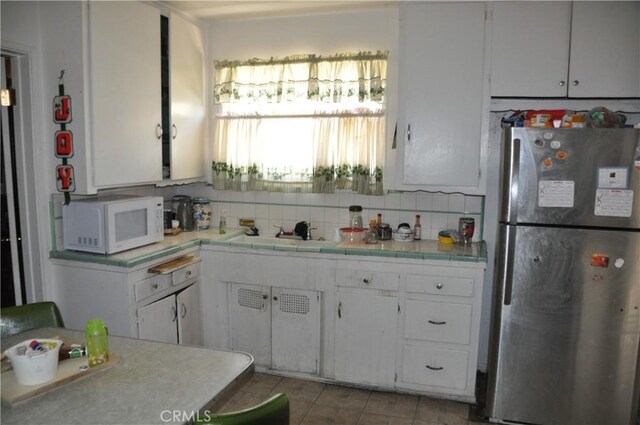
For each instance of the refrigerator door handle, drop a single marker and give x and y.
(511, 177)
(505, 263)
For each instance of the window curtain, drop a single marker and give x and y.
(304, 123)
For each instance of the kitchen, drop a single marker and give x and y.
(367, 28)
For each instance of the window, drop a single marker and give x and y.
(304, 123)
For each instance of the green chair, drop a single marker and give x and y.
(21, 318)
(274, 411)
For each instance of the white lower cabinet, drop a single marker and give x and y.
(365, 338)
(173, 319)
(133, 302)
(389, 323)
(439, 343)
(279, 327)
(435, 367)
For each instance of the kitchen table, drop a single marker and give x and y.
(154, 383)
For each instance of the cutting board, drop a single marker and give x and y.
(178, 263)
(68, 371)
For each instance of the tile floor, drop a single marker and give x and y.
(316, 403)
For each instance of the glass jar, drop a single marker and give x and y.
(201, 213)
(355, 216)
(372, 234)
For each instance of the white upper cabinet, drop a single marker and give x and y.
(442, 97)
(530, 48)
(605, 49)
(564, 49)
(125, 93)
(186, 55)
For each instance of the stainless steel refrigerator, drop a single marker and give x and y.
(566, 321)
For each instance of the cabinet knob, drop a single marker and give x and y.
(367, 281)
(561, 83)
(439, 285)
(275, 298)
(154, 286)
(265, 296)
(575, 82)
(188, 273)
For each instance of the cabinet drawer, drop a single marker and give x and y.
(435, 367)
(438, 285)
(151, 286)
(186, 273)
(366, 279)
(437, 321)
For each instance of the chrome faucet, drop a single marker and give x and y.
(280, 231)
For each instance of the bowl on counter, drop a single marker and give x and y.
(352, 234)
(403, 235)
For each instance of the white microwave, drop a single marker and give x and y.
(112, 223)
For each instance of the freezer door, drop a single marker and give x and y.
(566, 327)
(579, 177)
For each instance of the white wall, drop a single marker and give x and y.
(20, 38)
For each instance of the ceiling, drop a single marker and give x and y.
(217, 9)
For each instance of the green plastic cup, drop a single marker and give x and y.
(97, 342)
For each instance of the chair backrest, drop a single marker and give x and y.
(21, 318)
(274, 411)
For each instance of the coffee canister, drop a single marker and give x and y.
(202, 213)
(466, 227)
(184, 211)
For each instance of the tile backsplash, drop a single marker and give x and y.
(329, 212)
(325, 212)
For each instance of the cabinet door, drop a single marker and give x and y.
(157, 321)
(365, 344)
(442, 91)
(189, 316)
(605, 49)
(250, 321)
(125, 93)
(295, 330)
(530, 48)
(186, 55)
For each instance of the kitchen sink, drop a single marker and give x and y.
(284, 242)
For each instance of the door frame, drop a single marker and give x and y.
(27, 166)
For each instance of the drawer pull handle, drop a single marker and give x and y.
(433, 368)
(367, 281)
(437, 323)
(184, 310)
(439, 286)
(340, 310)
(154, 286)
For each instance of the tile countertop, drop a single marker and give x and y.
(424, 249)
